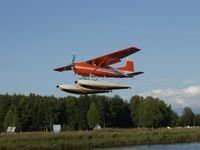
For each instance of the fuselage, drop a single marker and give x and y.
(85, 69)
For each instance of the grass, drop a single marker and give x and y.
(97, 139)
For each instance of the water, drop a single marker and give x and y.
(188, 146)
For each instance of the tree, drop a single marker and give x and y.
(102, 104)
(135, 103)
(51, 116)
(187, 117)
(149, 113)
(125, 116)
(154, 113)
(24, 114)
(5, 102)
(72, 113)
(173, 121)
(93, 116)
(83, 106)
(62, 112)
(39, 113)
(197, 120)
(10, 119)
(120, 112)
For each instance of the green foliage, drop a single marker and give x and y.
(173, 120)
(135, 103)
(5, 103)
(10, 119)
(151, 112)
(187, 117)
(72, 113)
(197, 120)
(102, 103)
(83, 105)
(93, 116)
(39, 113)
(150, 115)
(120, 113)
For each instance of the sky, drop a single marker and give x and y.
(39, 35)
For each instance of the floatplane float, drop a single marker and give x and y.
(91, 86)
(100, 67)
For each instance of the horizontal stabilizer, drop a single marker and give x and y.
(135, 73)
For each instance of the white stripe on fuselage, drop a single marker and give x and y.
(126, 72)
(99, 69)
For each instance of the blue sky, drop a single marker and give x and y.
(37, 36)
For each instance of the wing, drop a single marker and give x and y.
(113, 58)
(69, 67)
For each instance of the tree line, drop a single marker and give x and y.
(39, 113)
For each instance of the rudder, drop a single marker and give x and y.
(129, 66)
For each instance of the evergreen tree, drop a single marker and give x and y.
(120, 112)
(5, 103)
(187, 117)
(39, 113)
(104, 110)
(197, 120)
(72, 113)
(125, 116)
(173, 121)
(93, 116)
(10, 119)
(83, 106)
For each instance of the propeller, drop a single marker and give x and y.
(73, 59)
(68, 67)
(73, 62)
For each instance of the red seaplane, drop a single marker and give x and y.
(100, 67)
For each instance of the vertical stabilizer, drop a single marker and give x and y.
(129, 66)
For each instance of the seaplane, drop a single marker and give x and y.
(91, 70)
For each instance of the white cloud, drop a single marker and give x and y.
(189, 96)
(192, 91)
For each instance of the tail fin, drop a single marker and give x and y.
(129, 66)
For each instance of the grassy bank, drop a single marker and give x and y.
(97, 139)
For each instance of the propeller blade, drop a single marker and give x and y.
(73, 59)
(68, 67)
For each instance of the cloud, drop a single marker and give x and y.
(189, 96)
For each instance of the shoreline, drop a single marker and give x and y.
(97, 139)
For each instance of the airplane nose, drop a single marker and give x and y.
(57, 86)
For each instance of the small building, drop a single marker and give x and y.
(11, 129)
(97, 127)
(56, 128)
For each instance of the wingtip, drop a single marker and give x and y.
(136, 49)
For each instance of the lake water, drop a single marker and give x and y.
(187, 146)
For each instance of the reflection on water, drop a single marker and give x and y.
(188, 146)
